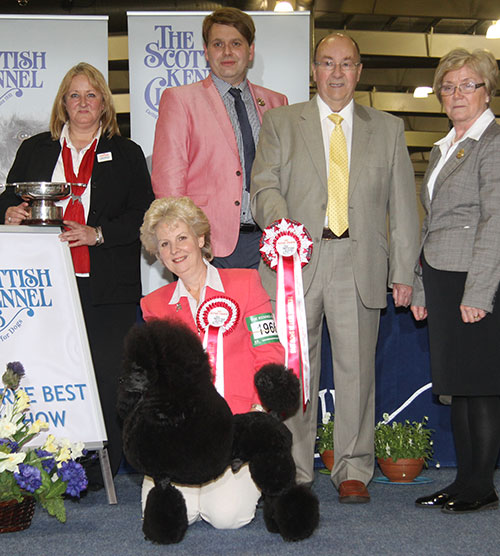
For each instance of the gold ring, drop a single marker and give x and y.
(476, 316)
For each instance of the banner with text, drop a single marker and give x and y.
(35, 54)
(166, 50)
(42, 326)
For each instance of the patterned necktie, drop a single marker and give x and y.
(338, 179)
(246, 134)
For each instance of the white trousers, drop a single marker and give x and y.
(228, 502)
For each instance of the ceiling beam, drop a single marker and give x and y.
(451, 9)
(433, 45)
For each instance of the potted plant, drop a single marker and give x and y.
(402, 448)
(324, 441)
(28, 474)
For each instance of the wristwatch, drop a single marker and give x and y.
(98, 235)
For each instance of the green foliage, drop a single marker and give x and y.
(324, 439)
(405, 440)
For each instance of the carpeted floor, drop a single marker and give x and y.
(389, 525)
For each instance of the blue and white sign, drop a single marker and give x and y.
(42, 326)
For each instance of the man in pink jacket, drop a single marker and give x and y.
(206, 135)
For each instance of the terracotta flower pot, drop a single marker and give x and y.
(402, 470)
(16, 516)
(327, 459)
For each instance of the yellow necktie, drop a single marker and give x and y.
(338, 179)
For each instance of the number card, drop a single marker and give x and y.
(262, 328)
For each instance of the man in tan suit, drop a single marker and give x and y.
(346, 280)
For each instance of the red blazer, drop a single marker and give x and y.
(195, 154)
(241, 358)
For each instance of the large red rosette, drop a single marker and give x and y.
(217, 316)
(286, 247)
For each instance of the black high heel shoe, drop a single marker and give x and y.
(457, 506)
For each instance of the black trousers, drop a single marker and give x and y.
(107, 326)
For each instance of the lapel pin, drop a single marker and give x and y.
(460, 153)
(178, 307)
(261, 101)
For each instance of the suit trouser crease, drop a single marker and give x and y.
(353, 330)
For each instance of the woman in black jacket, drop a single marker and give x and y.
(101, 226)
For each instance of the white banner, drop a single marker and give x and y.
(35, 54)
(42, 326)
(166, 50)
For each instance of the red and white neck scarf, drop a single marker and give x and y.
(74, 210)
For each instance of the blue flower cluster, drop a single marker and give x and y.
(74, 474)
(29, 478)
(11, 444)
(48, 461)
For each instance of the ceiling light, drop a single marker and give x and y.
(283, 7)
(493, 31)
(422, 92)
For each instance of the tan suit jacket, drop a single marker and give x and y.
(289, 180)
(461, 230)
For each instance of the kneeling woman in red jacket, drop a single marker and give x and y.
(231, 312)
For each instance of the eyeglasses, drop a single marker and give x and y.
(464, 88)
(331, 65)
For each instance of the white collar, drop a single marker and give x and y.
(346, 112)
(474, 132)
(65, 135)
(212, 280)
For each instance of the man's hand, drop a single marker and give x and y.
(401, 293)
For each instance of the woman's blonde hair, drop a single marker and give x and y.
(59, 114)
(480, 61)
(168, 210)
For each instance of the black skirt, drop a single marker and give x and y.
(465, 358)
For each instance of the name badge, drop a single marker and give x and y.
(104, 157)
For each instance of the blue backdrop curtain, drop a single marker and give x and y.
(402, 368)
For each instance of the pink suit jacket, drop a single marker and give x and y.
(195, 154)
(241, 359)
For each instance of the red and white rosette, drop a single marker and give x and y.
(286, 247)
(217, 316)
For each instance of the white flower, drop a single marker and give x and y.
(38, 426)
(22, 401)
(7, 429)
(9, 462)
(77, 450)
(63, 455)
(50, 444)
(326, 417)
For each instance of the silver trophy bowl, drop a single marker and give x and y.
(41, 196)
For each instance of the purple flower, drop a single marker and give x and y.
(14, 446)
(16, 367)
(48, 461)
(73, 474)
(12, 376)
(29, 478)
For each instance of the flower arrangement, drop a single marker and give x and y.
(403, 440)
(46, 473)
(325, 433)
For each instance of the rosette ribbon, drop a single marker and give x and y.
(286, 247)
(217, 317)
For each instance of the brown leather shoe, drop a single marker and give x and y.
(353, 492)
